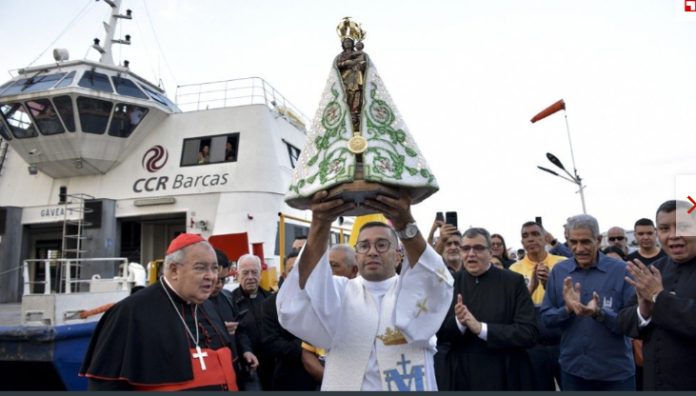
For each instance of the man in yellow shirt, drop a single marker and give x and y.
(536, 267)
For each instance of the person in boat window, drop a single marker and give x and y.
(229, 152)
(204, 155)
(191, 349)
(135, 115)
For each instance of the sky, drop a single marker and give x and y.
(467, 76)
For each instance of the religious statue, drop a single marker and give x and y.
(358, 146)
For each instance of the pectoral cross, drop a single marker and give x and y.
(200, 355)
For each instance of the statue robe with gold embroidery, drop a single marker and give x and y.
(380, 335)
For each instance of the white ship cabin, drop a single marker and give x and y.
(97, 162)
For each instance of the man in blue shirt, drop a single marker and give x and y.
(583, 297)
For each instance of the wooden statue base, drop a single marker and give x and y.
(358, 191)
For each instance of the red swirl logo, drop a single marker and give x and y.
(155, 159)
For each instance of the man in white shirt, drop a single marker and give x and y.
(380, 327)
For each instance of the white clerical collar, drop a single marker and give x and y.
(174, 290)
(379, 287)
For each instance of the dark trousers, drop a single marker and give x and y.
(574, 383)
(546, 367)
(440, 363)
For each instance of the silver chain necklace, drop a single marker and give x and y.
(199, 355)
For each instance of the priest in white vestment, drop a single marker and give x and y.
(379, 328)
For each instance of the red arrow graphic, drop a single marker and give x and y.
(692, 201)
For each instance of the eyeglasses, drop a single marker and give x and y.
(496, 244)
(617, 238)
(224, 280)
(477, 248)
(246, 273)
(382, 245)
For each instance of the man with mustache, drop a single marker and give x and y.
(380, 327)
(583, 297)
(662, 312)
(536, 267)
(167, 336)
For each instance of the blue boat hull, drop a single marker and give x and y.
(43, 357)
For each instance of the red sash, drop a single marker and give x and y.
(219, 371)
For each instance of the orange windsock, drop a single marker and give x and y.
(556, 107)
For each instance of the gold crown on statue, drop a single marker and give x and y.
(349, 29)
(392, 337)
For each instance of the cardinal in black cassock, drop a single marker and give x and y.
(167, 336)
(499, 308)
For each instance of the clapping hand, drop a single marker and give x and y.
(465, 317)
(571, 295)
(648, 282)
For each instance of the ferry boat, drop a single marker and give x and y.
(100, 170)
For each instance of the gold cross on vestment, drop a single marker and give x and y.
(422, 307)
(442, 273)
(200, 355)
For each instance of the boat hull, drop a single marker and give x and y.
(44, 357)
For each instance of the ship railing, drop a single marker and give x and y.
(238, 92)
(66, 266)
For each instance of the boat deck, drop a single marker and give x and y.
(10, 314)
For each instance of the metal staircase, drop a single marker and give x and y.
(73, 227)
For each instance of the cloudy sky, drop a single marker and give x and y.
(466, 75)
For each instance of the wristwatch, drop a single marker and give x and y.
(599, 316)
(410, 231)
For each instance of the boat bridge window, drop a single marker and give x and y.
(65, 110)
(294, 153)
(210, 150)
(4, 132)
(5, 85)
(34, 84)
(94, 114)
(96, 81)
(66, 81)
(126, 87)
(45, 116)
(126, 118)
(161, 99)
(19, 121)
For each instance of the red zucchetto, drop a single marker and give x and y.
(182, 241)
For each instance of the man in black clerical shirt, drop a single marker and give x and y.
(490, 325)
(167, 336)
(448, 246)
(249, 295)
(222, 299)
(663, 311)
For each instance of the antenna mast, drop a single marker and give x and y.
(105, 51)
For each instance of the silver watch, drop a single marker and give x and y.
(410, 231)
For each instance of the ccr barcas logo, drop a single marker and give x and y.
(155, 158)
(690, 5)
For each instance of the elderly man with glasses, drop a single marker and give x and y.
(222, 299)
(380, 327)
(250, 296)
(490, 324)
(168, 336)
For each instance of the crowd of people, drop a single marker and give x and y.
(401, 311)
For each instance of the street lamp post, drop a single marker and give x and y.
(573, 179)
